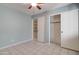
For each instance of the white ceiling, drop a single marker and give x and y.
(24, 7)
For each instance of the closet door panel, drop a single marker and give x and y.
(69, 30)
(41, 25)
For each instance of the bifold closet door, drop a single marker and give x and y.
(69, 30)
(41, 25)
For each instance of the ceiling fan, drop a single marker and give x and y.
(37, 5)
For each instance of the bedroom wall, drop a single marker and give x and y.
(15, 26)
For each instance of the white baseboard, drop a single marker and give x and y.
(14, 44)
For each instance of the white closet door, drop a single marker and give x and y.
(69, 29)
(41, 23)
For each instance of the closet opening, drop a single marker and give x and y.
(55, 29)
(35, 29)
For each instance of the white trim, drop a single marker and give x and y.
(49, 30)
(17, 43)
(32, 30)
(55, 14)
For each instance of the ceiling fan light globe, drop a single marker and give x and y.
(33, 4)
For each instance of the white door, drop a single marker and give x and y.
(41, 23)
(69, 30)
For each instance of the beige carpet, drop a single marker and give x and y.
(36, 48)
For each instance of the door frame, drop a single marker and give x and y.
(51, 15)
(32, 30)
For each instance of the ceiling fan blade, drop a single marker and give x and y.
(30, 7)
(38, 7)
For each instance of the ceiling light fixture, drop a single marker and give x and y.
(37, 5)
(34, 4)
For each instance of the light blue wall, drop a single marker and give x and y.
(46, 36)
(15, 26)
(64, 8)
